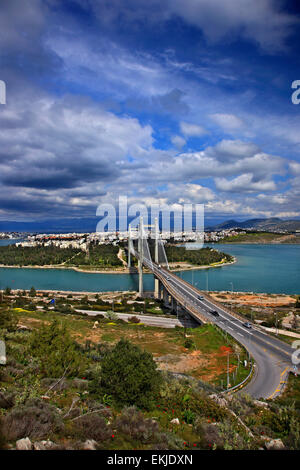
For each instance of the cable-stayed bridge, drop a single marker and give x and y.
(273, 358)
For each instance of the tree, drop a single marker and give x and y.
(32, 292)
(297, 304)
(8, 320)
(129, 375)
(58, 353)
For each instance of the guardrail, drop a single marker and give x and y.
(181, 301)
(241, 384)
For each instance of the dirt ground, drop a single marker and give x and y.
(202, 366)
(254, 300)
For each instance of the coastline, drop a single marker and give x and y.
(119, 271)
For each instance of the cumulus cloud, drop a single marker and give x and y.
(192, 130)
(228, 122)
(244, 183)
(67, 143)
(178, 141)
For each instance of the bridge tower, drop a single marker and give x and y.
(141, 256)
(156, 281)
(129, 247)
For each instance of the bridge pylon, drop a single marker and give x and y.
(156, 281)
(141, 257)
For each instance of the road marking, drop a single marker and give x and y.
(284, 371)
(190, 291)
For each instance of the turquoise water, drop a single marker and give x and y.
(259, 268)
(9, 241)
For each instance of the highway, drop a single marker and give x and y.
(272, 356)
(151, 320)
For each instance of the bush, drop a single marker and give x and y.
(111, 315)
(189, 343)
(57, 352)
(34, 419)
(8, 320)
(91, 426)
(133, 423)
(129, 375)
(134, 320)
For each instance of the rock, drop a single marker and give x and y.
(262, 404)
(44, 445)
(275, 444)
(89, 444)
(219, 400)
(175, 421)
(24, 444)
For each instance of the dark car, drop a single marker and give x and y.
(214, 312)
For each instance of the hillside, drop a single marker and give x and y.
(260, 224)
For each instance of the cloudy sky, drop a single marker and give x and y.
(165, 101)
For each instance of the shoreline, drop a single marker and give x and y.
(123, 292)
(120, 271)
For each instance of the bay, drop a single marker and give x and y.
(259, 268)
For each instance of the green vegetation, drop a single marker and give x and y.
(58, 354)
(91, 401)
(252, 237)
(202, 257)
(99, 256)
(8, 320)
(13, 255)
(103, 256)
(129, 375)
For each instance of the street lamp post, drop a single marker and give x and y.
(227, 370)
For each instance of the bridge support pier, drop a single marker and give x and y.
(157, 289)
(166, 297)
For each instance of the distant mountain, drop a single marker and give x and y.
(273, 223)
(51, 226)
(86, 225)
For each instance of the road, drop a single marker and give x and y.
(272, 356)
(151, 320)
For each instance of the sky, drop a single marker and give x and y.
(163, 101)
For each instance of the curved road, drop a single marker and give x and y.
(272, 356)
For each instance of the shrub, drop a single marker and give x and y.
(7, 400)
(57, 352)
(129, 375)
(134, 319)
(2, 436)
(111, 315)
(34, 419)
(133, 423)
(189, 343)
(91, 426)
(8, 320)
